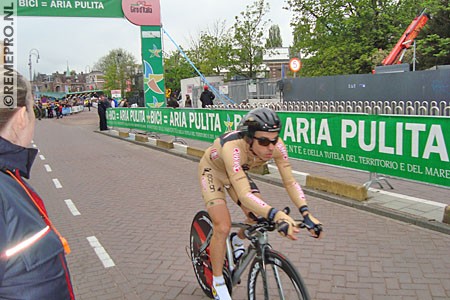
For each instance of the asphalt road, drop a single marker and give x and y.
(138, 204)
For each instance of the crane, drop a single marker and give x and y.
(405, 42)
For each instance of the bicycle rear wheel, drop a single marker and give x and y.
(201, 230)
(281, 280)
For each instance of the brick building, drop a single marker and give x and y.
(65, 83)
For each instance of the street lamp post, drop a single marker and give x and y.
(34, 52)
(119, 71)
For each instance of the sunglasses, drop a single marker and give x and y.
(263, 141)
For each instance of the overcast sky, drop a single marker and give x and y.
(81, 42)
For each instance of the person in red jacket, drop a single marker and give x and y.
(32, 252)
(207, 97)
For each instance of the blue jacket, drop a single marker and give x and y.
(32, 261)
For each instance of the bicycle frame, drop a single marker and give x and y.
(257, 246)
(258, 256)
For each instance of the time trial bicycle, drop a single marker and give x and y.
(271, 274)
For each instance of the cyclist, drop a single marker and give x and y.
(224, 166)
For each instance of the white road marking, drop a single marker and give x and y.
(73, 209)
(101, 252)
(34, 146)
(57, 183)
(42, 157)
(47, 168)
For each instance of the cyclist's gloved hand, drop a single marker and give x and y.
(312, 224)
(286, 226)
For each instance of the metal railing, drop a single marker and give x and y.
(413, 108)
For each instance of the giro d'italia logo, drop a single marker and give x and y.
(142, 12)
(141, 7)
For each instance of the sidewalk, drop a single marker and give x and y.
(412, 202)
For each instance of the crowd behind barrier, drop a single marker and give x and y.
(420, 108)
(65, 111)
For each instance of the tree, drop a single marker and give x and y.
(176, 68)
(343, 37)
(249, 30)
(274, 40)
(214, 48)
(118, 66)
(433, 43)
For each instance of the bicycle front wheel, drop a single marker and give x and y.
(279, 280)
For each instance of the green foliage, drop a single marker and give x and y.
(176, 68)
(433, 43)
(248, 47)
(274, 40)
(334, 37)
(111, 78)
(118, 66)
(347, 37)
(209, 53)
(214, 49)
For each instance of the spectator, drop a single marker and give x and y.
(32, 252)
(50, 108)
(88, 104)
(58, 110)
(103, 104)
(113, 103)
(172, 102)
(39, 110)
(206, 97)
(177, 94)
(188, 101)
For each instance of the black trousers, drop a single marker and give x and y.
(103, 125)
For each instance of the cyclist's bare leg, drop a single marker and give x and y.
(220, 216)
(246, 211)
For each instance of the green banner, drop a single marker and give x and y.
(71, 8)
(196, 124)
(411, 147)
(152, 62)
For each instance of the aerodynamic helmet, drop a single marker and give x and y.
(259, 119)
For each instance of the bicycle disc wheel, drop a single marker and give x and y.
(200, 229)
(282, 279)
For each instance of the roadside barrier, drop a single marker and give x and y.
(65, 111)
(410, 147)
(419, 108)
(447, 215)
